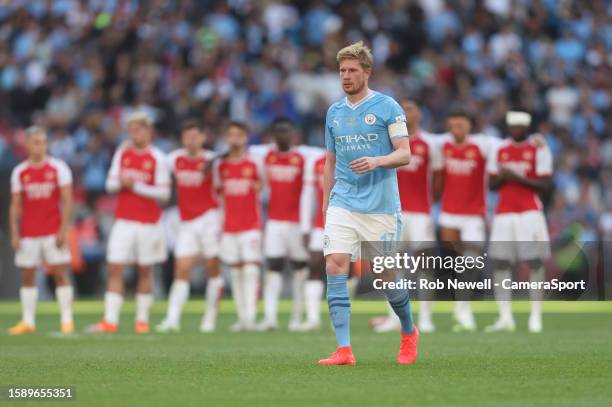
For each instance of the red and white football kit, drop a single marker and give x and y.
(39, 186)
(519, 217)
(464, 195)
(137, 235)
(313, 189)
(284, 179)
(237, 181)
(414, 181)
(200, 228)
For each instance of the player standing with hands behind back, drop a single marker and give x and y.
(41, 203)
(366, 139)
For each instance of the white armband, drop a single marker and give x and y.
(398, 129)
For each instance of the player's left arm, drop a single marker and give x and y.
(66, 199)
(398, 133)
(543, 170)
(160, 190)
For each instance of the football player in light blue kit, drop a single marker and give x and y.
(366, 139)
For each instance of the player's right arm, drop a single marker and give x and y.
(15, 209)
(113, 181)
(328, 179)
(329, 170)
(14, 218)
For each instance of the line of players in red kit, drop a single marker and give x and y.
(219, 201)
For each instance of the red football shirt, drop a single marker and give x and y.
(285, 179)
(194, 187)
(146, 166)
(237, 180)
(464, 174)
(414, 179)
(528, 161)
(39, 186)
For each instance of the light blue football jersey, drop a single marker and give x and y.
(354, 131)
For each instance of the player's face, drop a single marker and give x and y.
(193, 139)
(518, 133)
(459, 127)
(354, 78)
(236, 138)
(413, 113)
(140, 134)
(282, 138)
(37, 146)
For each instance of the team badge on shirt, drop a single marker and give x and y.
(527, 155)
(126, 161)
(147, 165)
(49, 175)
(294, 160)
(419, 149)
(272, 159)
(247, 172)
(26, 178)
(470, 154)
(504, 156)
(370, 119)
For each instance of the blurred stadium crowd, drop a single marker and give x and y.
(78, 67)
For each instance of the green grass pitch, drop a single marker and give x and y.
(569, 364)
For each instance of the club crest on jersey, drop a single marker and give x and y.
(448, 153)
(200, 166)
(272, 159)
(294, 160)
(504, 156)
(247, 172)
(49, 175)
(470, 154)
(370, 119)
(527, 155)
(127, 161)
(419, 149)
(147, 165)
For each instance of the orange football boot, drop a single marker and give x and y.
(67, 328)
(22, 329)
(141, 327)
(103, 327)
(342, 356)
(408, 348)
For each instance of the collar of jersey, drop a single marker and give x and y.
(356, 105)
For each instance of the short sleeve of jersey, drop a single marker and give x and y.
(493, 146)
(330, 142)
(544, 162)
(435, 153)
(64, 175)
(162, 175)
(396, 120)
(16, 180)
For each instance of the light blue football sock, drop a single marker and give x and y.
(399, 301)
(339, 307)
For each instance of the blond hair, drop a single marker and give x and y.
(358, 51)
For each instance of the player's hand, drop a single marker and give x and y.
(15, 242)
(538, 140)
(508, 175)
(60, 239)
(126, 182)
(364, 164)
